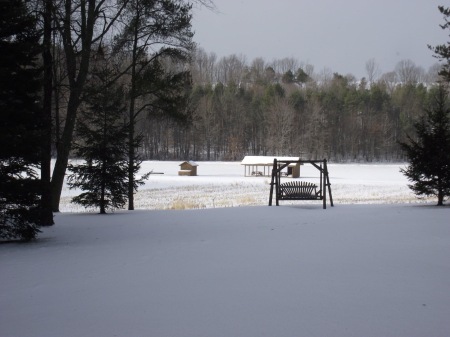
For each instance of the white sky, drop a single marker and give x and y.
(341, 35)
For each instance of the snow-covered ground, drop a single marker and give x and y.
(223, 184)
(376, 264)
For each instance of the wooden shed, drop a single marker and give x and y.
(188, 168)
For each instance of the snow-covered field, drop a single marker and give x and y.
(376, 264)
(223, 184)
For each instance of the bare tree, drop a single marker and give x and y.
(257, 70)
(202, 67)
(408, 72)
(308, 69)
(205, 121)
(325, 76)
(432, 76)
(372, 70)
(231, 69)
(280, 127)
(389, 80)
(81, 25)
(46, 197)
(284, 65)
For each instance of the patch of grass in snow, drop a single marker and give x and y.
(247, 200)
(180, 204)
(221, 203)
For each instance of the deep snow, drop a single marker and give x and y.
(294, 270)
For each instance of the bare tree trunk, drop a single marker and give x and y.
(77, 78)
(132, 120)
(77, 52)
(63, 150)
(46, 196)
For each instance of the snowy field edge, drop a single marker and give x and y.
(223, 184)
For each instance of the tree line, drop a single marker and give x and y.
(285, 108)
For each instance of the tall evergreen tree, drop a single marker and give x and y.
(102, 144)
(429, 154)
(20, 135)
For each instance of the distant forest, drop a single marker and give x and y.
(238, 108)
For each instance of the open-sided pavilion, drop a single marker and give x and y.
(262, 166)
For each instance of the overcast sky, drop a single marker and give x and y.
(341, 35)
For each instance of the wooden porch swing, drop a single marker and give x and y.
(300, 190)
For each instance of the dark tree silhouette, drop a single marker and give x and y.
(102, 134)
(20, 127)
(442, 52)
(429, 154)
(152, 30)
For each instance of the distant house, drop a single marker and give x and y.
(188, 168)
(262, 166)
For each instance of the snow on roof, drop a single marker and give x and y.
(264, 160)
(190, 162)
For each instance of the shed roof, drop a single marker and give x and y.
(264, 160)
(190, 162)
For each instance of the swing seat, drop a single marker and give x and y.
(299, 190)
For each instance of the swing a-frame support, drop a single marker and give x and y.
(299, 190)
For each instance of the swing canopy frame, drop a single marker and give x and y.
(300, 190)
